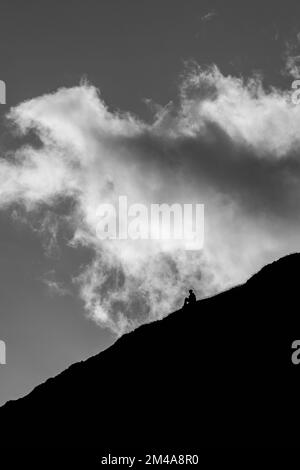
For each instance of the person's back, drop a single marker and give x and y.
(192, 298)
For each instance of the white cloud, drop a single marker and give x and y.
(292, 57)
(55, 288)
(208, 16)
(229, 144)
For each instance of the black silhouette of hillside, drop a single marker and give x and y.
(217, 375)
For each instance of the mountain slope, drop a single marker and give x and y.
(217, 375)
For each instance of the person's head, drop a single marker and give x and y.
(190, 291)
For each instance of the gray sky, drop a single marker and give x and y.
(228, 143)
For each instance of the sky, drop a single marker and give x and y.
(164, 101)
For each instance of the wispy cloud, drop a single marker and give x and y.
(228, 143)
(292, 57)
(208, 16)
(55, 287)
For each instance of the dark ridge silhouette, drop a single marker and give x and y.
(217, 374)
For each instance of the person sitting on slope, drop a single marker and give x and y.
(191, 299)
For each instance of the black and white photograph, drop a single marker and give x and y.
(149, 232)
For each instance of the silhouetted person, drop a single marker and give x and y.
(191, 299)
